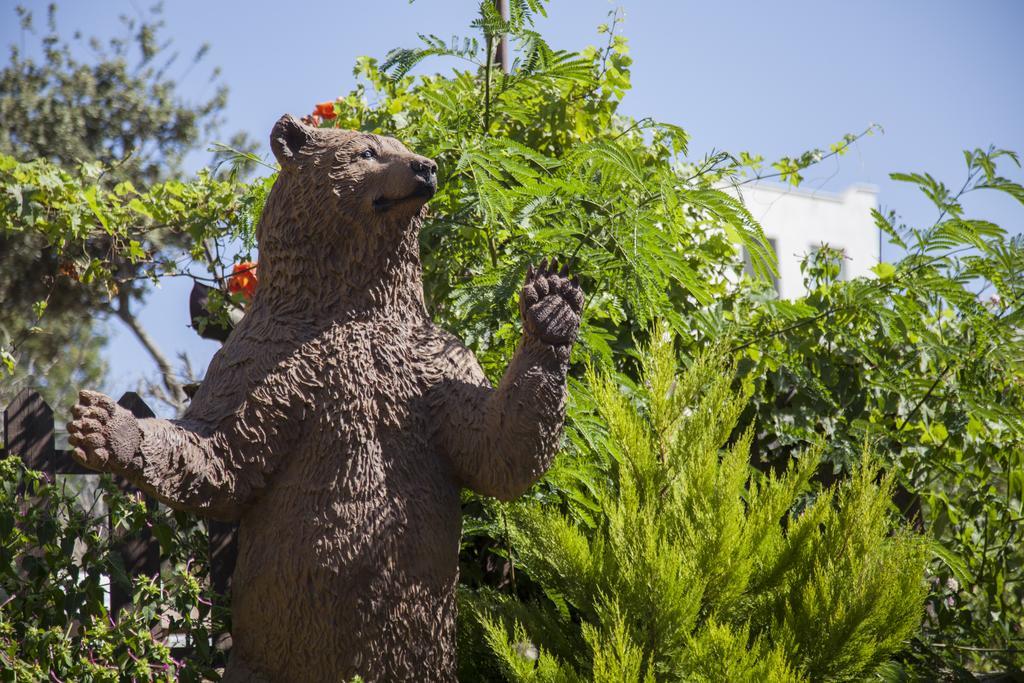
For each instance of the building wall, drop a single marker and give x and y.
(798, 221)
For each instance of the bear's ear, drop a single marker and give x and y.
(287, 138)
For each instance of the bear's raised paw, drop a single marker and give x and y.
(551, 304)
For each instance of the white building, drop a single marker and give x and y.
(798, 221)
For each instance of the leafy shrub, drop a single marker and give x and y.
(925, 361)
(676, 561)
(55, 560)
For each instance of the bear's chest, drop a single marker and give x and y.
(376, 374)
(367, 431)
(370, 447)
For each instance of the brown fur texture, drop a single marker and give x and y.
(338, 423)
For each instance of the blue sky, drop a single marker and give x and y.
(772, 78)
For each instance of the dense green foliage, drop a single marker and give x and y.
(543, 164)
(925, 363)
(915, 361)
(119, 107)
(920, 366)
(675, 561)
(56, 561)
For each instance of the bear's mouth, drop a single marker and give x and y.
(421, 194)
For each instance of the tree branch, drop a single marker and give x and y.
(174, 387)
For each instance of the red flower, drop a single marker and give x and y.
(243, 279)
(325, 110)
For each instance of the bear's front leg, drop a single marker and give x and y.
(105, 436)
(500, 441)
(214, 469)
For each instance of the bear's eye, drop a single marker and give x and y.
(367, 154)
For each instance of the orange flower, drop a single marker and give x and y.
(243, 279)
(325, 110)
(68, 269)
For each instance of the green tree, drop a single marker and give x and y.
(91, 213)
(121, 108)
(540, 161)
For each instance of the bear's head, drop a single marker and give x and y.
(370, 176)
(343, 216)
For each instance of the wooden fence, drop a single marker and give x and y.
(28, 431)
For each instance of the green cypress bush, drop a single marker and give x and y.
(663, 555)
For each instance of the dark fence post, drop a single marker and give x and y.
(140, 553)
(223, 553)
(28, 431)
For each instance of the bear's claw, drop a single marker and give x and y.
(551, 303)
(102, 433)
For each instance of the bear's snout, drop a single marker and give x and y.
(424, 166)
(426, 173)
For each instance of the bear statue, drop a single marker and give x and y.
(338, 424)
